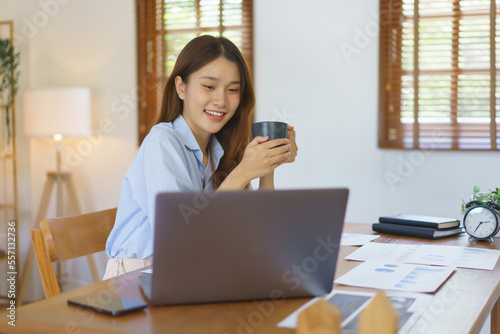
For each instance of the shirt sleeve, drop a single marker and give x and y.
(165, 169)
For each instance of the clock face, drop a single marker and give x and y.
(480, 222)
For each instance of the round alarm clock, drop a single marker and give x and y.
(482, 222)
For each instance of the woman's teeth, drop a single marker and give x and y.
(213, 113)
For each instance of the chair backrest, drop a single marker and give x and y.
(67, 238)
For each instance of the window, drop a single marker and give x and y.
(439, 77)
(165, 26)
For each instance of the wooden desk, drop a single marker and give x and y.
(461, 305)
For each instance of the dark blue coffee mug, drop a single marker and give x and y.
(270, 128)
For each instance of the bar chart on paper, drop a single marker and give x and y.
(453, 256)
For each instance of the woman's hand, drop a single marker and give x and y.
(262, 156)
(293, 148)
(267, 181)
(260, 159)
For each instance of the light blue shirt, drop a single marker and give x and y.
(168, 160)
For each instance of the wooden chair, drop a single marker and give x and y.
(68, 238)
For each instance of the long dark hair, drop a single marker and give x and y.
(235, 135)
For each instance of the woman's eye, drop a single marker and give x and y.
(208, 87)
(233, 90)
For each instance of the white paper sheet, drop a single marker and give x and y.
(353, 239)
(396, 276)
(409, 306)
(453, 256)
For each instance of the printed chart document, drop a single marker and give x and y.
(396, 276)
(351, 303)
(353, 239)
(453, 256)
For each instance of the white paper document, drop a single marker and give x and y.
(409, 306)
(396, 276)
(453, 256)
(353, 239)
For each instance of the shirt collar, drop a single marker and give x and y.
(217, 151)
(185, 134)
(187, 137)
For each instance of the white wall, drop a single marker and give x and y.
(88, 43)
(78, 43)
(301, 76)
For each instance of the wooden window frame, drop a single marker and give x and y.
(392, 132)
(151, 49)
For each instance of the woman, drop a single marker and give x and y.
(200, 142)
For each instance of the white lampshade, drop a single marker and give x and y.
(58, 110)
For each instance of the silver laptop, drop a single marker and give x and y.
(244, 245)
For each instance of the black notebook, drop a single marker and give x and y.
(438, 223)
(416, 231)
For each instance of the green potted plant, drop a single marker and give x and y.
(9, 74)
(490, 198)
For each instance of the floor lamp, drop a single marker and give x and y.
(57, 113)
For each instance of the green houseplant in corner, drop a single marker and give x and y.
(9, 74)
(491, 198)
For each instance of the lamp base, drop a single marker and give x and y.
(58, 178)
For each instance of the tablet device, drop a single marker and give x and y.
(107, 304)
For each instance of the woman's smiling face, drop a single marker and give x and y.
(210, 97)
